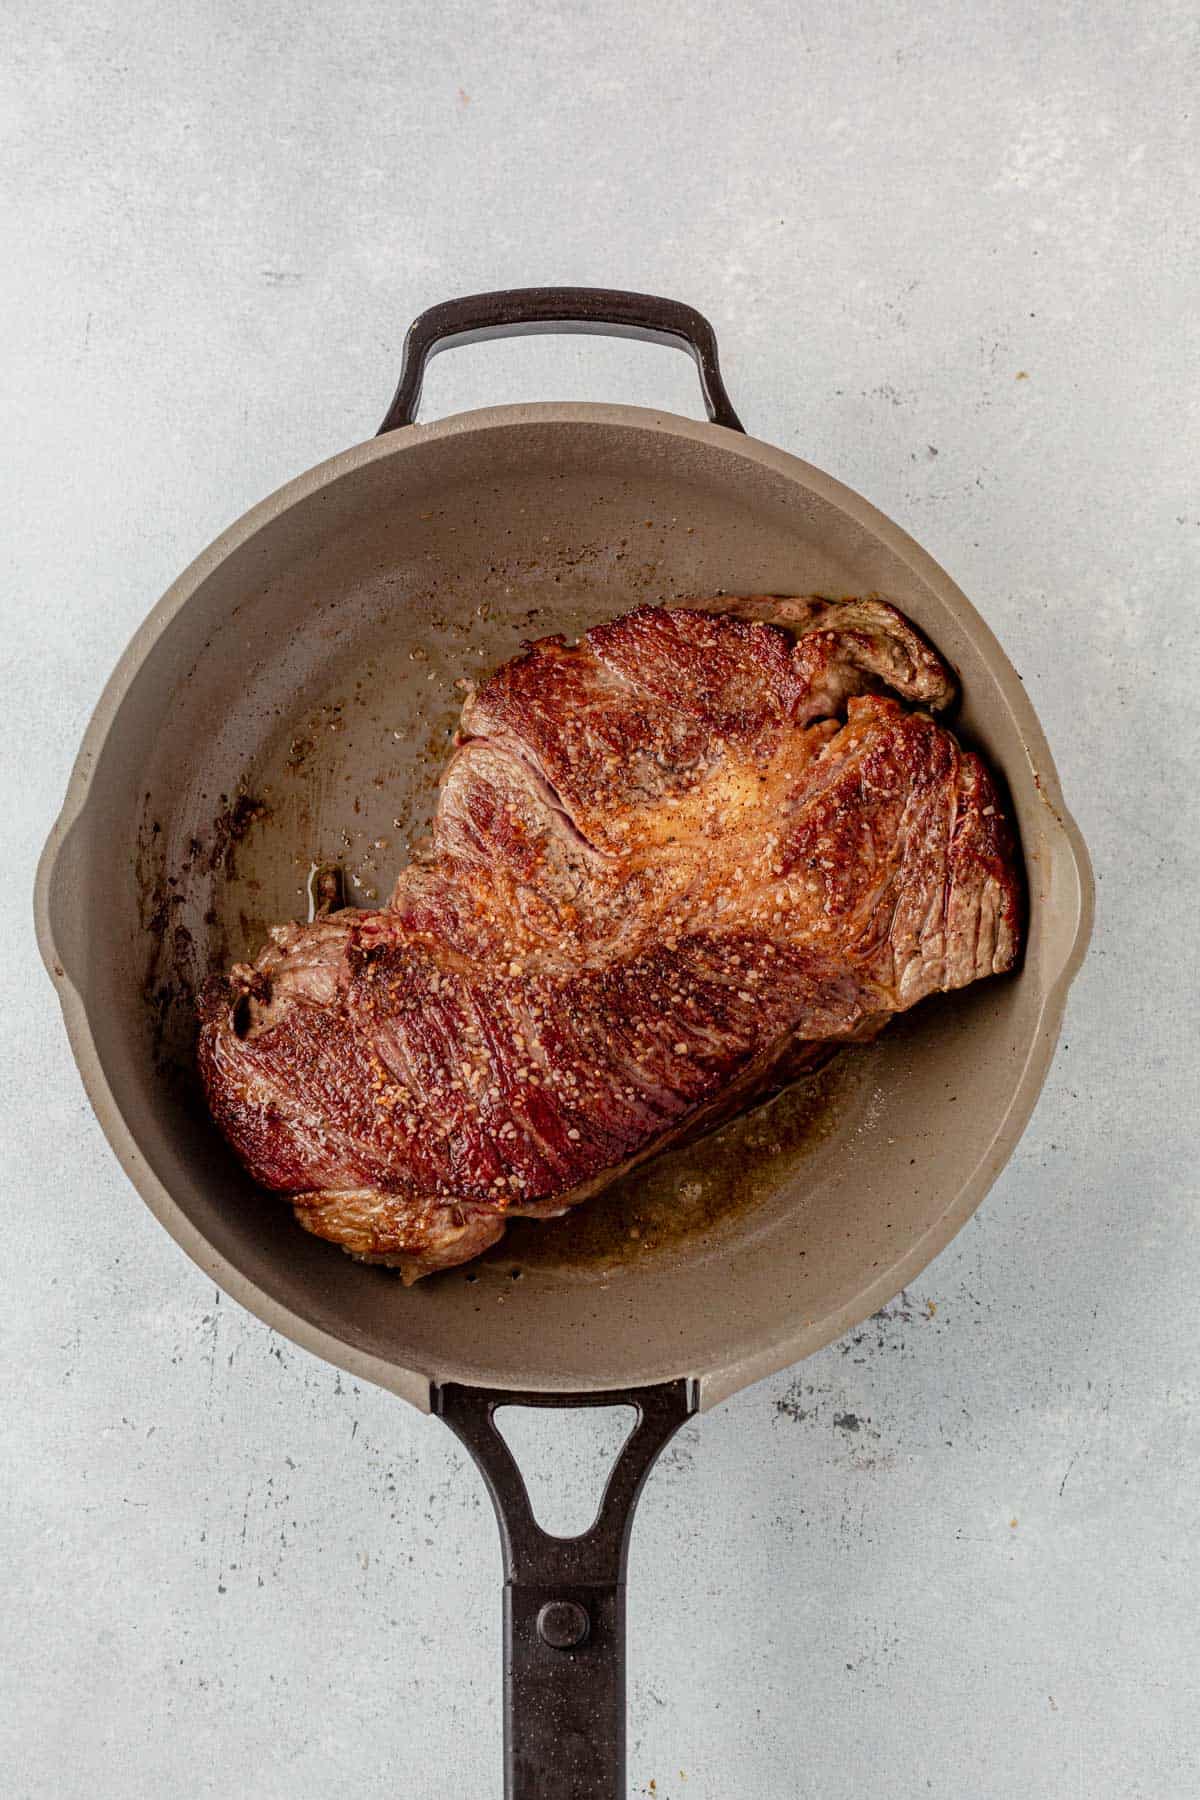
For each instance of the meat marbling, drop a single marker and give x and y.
(671, 866)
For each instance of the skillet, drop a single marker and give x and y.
(289, 703)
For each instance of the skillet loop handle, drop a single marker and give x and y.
(518, 312)
(564, 1598)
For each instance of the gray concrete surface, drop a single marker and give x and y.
(952, 256)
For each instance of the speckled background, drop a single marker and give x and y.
(951, 253)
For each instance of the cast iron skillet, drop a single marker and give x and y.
(289, 701)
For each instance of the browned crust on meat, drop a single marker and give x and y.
(662, 869)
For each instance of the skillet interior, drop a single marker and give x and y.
(291, 701)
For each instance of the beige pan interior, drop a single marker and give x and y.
(307, 663)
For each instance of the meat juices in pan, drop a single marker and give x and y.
(672, 867)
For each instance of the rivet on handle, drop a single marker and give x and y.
(563, 1624)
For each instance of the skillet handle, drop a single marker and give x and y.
(517, 312)
(564, 1598)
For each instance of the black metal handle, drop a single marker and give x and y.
(516, 312)
(564, 1598)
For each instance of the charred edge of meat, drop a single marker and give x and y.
(890, 651)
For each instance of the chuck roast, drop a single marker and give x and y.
(672, 865)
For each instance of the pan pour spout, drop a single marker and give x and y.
(672, 864)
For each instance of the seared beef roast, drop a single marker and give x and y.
(672, 865)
